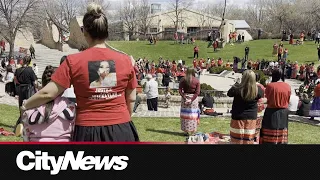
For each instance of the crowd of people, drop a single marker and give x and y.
(93, 94)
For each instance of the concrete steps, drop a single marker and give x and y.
(46, 56)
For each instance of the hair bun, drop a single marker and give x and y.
(94, 9)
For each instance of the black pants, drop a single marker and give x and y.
(317, 41)
(33, 55)
(196, 54)
(25, 91)
(246, 56)
(279, 57)
(152, 104)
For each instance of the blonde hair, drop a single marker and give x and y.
(95, 22)
(248, 86)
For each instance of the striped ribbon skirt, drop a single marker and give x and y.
(243, 131)
(189, 115)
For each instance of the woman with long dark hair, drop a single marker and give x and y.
(8, 79)
(26, 82)
(104, 110)
(52, 122)
(189, 89)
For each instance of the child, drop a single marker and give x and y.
(52, 122)
(285, 54)
(167, 97)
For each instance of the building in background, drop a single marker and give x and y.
(241, 26)
(155, 8)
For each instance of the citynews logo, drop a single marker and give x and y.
(42, 161)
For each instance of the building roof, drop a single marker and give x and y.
(184, 9)
(240, 24)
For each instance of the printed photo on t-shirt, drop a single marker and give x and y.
(102, 74)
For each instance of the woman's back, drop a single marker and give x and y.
(244, 109)
(100, 77)
(59, 126)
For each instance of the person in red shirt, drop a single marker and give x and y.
(276, 116)
(104, 82)
(194, 63)
(189, 89)
(220, 62)
(196, 52)
(215, 45)
(176, 37)
(3, 45)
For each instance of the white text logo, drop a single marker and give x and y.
(42, 161)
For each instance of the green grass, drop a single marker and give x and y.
(259, 49)
(168, 129)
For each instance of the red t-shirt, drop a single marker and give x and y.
(196, 49)
(278, 95)
(100, 77)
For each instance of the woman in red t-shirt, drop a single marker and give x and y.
(104, 83)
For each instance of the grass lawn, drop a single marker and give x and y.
(168, 129)
(259, 49)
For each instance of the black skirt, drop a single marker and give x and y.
(275, 126)
(10, 89)
(114, 133)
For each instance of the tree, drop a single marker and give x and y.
(144, 16)
(129, 13)
(178, 6)
(61, 12)
(84, 3)
(16, 15)
(223, 15)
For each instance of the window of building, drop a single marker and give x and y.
(192, 29)
(153, 30)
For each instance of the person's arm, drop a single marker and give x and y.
(197, 93)
(45, 95)
(146, 88)
(60, 81)
(131, 91)
(231, 92)
(181, 92)
(131, 99)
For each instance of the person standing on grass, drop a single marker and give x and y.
(318, 52)
(245, 109)
(189, 89)
(196, 52)
(104, 110)
(276, 117)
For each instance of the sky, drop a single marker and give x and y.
(114, 3)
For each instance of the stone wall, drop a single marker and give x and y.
(223, 102)
(76, 39)
(50, 36)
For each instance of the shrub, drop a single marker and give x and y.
(218, 70)
(263, 77)
(204, 88)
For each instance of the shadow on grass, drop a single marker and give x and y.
(166, 132)
(6, 125)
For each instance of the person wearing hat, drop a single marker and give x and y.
(151, 90)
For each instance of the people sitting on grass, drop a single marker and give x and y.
(206, 105)
(304, 106)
